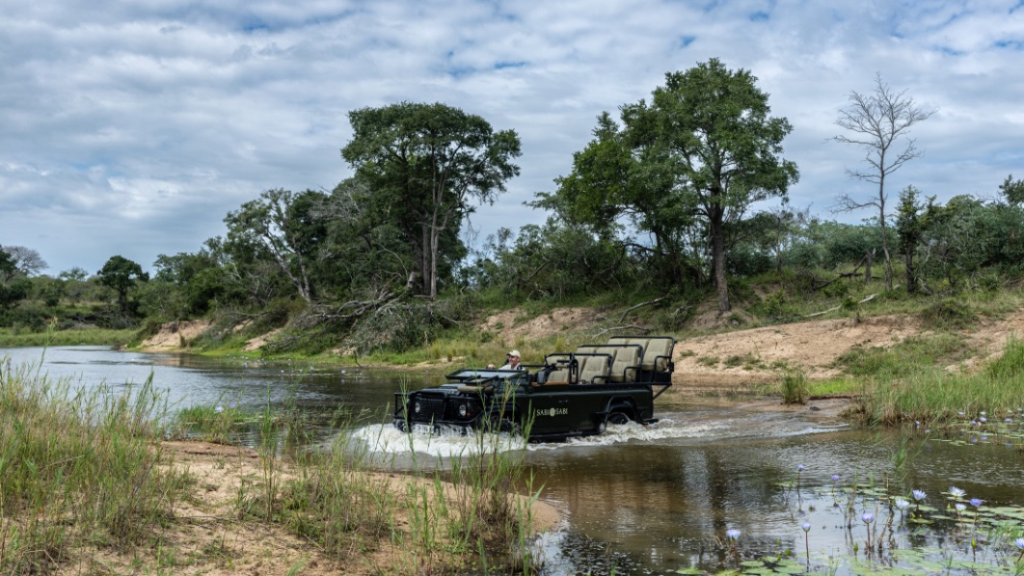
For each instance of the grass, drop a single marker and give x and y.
(906, 356)
(10, 338)
(936, 395)
(84, 471)
(77, 469)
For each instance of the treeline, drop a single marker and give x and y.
(666, 200)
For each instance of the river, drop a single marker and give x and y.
(799, 492)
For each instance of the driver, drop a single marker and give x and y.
(514, 362)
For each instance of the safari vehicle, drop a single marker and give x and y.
(571, 394)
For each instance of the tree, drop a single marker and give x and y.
(12, 286)
(722, 146)
(27, 261)
(1012, 190)
(616, 179)
(909, 231)
(121, 274)
(878, 121)
(280, 223)
(426, 165)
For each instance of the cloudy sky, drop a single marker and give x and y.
(132, 128)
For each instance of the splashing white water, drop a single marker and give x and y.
(387, 439)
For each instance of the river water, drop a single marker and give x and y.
(663, 499)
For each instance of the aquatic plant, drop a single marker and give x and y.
(733, 535)
(868, 518)
(806, 526)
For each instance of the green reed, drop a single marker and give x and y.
(78, 468)
(933, 394)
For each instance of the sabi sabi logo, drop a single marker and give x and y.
(551, 411)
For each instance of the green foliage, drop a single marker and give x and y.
(81, 467)
(795, 389)
(1012, 190)
(680, 168)
(556, 261)
(1010, 364)
(427, 164)
(932, 394)
(905, 357)
(949, 314)
(122, 275)
(774, 306)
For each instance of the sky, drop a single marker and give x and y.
(133, 128)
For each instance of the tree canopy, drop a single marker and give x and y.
(700, 153)
(427, 165)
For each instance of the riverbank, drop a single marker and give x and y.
(88, 485)
(92, 336)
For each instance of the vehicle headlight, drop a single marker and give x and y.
(463, 410)
(416, 406)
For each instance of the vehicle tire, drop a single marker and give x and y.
(505, 426)
(618, 418)
(509, 427)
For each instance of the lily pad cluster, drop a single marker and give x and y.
(886, 533)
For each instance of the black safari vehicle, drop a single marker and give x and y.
(571, 394)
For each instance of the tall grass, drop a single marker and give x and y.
(10, 337)
(933, 394)
(77, 468)
(438, 522)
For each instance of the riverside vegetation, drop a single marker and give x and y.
(88, 485)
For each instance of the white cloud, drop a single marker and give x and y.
(133, 129)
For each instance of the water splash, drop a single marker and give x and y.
(447, 443)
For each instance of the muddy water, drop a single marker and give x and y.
(664, 498)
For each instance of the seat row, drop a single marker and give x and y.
(621, 359)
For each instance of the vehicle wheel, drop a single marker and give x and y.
(509, 427)
(618, 418)
(505, 426)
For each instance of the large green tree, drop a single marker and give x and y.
(701, 152)
(283, 227)
(427, 165)
(716, 127)
(121, 275)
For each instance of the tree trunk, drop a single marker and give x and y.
(425, 260)
(885, 236)
(718, 258)
(435, 248)
(911, 281)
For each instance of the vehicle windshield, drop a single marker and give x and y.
(490, 376)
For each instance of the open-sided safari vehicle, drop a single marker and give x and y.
(572, 394)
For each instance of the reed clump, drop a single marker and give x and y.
(934, 394)
(78, 469)
(454, 518)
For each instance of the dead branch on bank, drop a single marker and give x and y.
(629, 327)
(640, 305)
(834, 308)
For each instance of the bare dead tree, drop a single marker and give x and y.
(878, 120)
(27, 261)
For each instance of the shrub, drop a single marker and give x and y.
(794, 388)
(948, 314)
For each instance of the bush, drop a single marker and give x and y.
(949, 314)
(794, 388)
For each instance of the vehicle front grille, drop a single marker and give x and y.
(431, 408)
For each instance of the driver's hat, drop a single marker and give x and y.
(514, 353)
